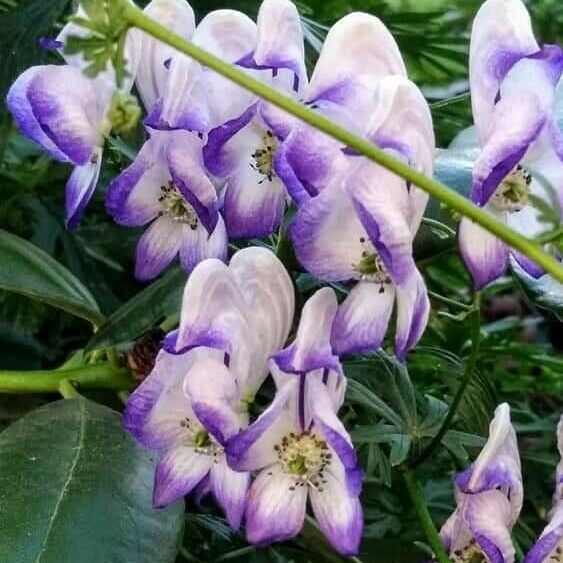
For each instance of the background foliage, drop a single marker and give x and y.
(72, 278)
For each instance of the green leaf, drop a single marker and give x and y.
(20, 29)
(159, 299)
(75, 487)
(29, 271)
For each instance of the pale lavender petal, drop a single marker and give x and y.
(339, 514)
(413, 311)
(151, 74)
(230, 489)
(253, 204)
(253, 448)
(133, 197)
(71, 117)
(157, 248)
(362, 318)
(522, 112)
(501, 35)
(177, 473)
(22, 111)
(215, 398)
(275, 508)
(80, 189)
(485, 255)
(550, 544)
(197, 244)
(327, 234)
(311, 348)
(185, 162)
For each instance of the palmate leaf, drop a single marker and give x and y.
(20, 29)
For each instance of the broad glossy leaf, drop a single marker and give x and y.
(27, 270)
(76, 488)
(159, 299)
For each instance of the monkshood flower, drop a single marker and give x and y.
(240, 151)
(489, 499)
(362, 225)
(167, 184)
(299, 446)
(513, 81)
(549, 547)
(358, 52)
(233, 318)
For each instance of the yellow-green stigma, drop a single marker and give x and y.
(264, 157)
(202, 439)
(471, 553)
(198, 437)
(304, 456)
(370, 267)
(176, 207)
(512, 193)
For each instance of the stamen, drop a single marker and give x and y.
(512, 193)
(471, 553)
(371, 267)
(198, 437)
(264, 157)
(176, 207)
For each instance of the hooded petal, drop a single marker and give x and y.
(550, 544)
(523, 110)
(152, 74)
(68, 122)
(501, 35)
(156, 249)
(270, 302)
(80, 189)
(280, 43)
(133, 197)
(357, 53)
(198, 244)
(253, 447)
(311, 348)
(362, 318)
(230, 489)
(214, 395)
(338, 513)
(485, 255)
(177, 473)
(498, 464)
(327, 234)
(212, 310)
(275, 508)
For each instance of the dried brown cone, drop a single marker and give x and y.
(142, 356)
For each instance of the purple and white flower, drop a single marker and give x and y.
(299, 446)
(233, 318)
(549, 547)
(357, 53)
(361, 228)
(240, 151)
(513, 82)
(167, 185)
(489, 499)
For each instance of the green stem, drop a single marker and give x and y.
(551, 236)
(424, 517)
(135, 17)
(432, 223)
(91, 376)
(448, 301)
(68, 390)
(467, 376)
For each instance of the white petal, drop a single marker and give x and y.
(198, 245)
(230, 489)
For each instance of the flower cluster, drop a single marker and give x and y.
(193, 407)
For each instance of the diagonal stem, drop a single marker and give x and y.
(136, 18)
(467, 376)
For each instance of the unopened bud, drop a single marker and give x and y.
(124, 112)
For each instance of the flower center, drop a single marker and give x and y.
(264, 157)
(199, 438)
(469, 554)
(512, 193)
(175, 206)
(371, 267)
(556, 554)
(304, 456)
